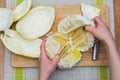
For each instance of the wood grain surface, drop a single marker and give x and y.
(2, 4)
(117, 22)
(61, 12)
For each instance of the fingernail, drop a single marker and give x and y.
(84, 27)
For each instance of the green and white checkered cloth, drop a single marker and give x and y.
(81, 73)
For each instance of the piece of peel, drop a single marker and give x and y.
(72, 22)
(37, 22)
(6, 18)
(22, 9)
(90, 11)
(15, 43)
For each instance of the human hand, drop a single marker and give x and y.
(100, 31)
(46, 65)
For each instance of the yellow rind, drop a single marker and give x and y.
(25, 27)
(19, 7)
(25, 46)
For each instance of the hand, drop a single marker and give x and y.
(100, 31)
(46, 66)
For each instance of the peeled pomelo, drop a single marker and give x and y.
(70, 40)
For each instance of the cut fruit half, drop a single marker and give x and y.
(15, 43)
(90, 11)
(22, 9)
(6, 18)
(37, 22)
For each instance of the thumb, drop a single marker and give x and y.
(90, 29)
(56, 60)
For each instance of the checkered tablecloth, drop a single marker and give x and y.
(81, 73)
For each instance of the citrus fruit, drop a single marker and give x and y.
(71, 39)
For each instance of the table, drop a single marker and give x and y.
(81, 73)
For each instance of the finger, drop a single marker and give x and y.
(56, 60)
(42, 47)
(90, 29)
(97, 20)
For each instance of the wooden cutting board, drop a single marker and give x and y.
(86, 60)
(117, 22)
